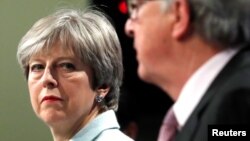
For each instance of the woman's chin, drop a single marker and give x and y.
(51, 117)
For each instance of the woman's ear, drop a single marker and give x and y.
(182, 18)
(103, 90)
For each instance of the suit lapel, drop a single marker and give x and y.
(188, 131)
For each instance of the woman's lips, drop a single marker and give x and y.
(51, 98)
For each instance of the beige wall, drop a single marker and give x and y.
(17, 120)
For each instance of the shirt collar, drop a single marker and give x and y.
(102, 122)
(198, 83)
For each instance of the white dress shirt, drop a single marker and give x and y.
(197, 85)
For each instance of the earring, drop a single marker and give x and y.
(98, 99)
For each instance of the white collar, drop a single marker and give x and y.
(198, 83)
(105, 120)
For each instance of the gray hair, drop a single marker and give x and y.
(226, 22)
(90, 35)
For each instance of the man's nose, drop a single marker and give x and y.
(49, 79)
(129, 30)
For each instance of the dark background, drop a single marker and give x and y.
(140, 102)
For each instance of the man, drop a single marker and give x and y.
(197, 51)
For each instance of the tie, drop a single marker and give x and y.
(169, 127)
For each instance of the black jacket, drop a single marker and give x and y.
(227, 100)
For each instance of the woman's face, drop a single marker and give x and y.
(60, 87)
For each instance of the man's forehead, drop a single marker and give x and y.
(135, 1)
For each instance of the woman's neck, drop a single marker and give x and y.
(65, 130)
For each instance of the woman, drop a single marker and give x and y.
(73, 64)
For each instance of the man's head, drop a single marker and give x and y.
(175, 37)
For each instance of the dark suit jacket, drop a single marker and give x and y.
(227, 100)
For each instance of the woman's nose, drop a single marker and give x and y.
(49, 79)
(129, 30)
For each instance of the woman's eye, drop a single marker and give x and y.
(68, 66)
(37, 67)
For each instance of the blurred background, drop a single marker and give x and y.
(142, 106)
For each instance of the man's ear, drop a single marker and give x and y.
(182, 18)
(103, 90)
